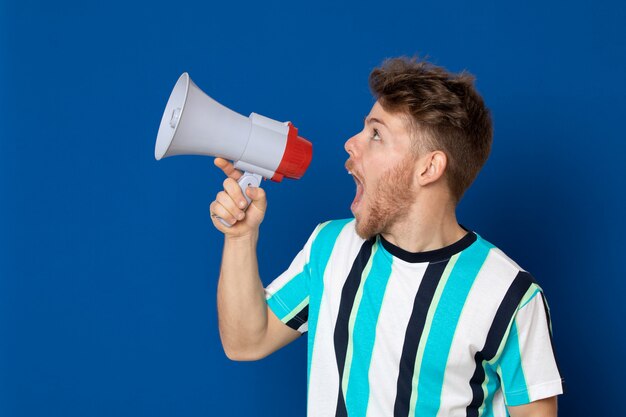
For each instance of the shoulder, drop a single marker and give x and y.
(502, 264)
(514, 285)
(333, 230)
(334, 236)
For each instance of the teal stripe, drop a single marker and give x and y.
(512, 374)
(278, 308)
(364, 334)
(443, 326)
(321, 250)
(290, 295)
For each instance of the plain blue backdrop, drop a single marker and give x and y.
(109, 261)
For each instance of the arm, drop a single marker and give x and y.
(527, 368)
(248, 329)
(540, 408)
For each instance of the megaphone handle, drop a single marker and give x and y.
(248, 179)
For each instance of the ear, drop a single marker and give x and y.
(431, 167)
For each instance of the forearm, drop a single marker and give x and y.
(242, 310)
(546, 407)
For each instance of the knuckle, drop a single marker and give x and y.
(226, 202)
(228, 182)
(217, 209)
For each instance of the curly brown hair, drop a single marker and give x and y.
(444, 111)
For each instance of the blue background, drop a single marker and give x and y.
(109, 261)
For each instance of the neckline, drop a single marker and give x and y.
(432, 255)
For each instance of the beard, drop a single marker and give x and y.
(389, 202)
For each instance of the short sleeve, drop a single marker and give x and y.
(527, 367)
(288, 295)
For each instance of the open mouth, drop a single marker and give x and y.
(359, 193)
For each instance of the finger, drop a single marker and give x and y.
(234, 191)
(259, 199)
(218, 221)
(219, 212)
(228, 168)
(227, 203)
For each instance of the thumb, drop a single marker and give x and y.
(259, 200)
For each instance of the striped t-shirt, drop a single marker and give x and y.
(457, 331)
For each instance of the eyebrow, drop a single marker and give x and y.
(374, 120)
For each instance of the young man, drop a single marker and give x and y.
(408, 313)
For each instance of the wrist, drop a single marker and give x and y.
(246, 239)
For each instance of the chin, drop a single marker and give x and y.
(365, 228)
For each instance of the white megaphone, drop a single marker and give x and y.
(195, 124)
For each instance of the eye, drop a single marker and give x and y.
(375, 135)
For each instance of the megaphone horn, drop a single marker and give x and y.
(195, 124)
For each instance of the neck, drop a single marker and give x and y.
(430, 224)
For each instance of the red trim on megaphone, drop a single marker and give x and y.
(296, 158)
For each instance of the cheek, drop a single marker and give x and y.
(371, 187)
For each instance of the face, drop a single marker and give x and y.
(382, 165)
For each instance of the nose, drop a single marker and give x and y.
(351, 145)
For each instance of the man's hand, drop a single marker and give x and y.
(230, 204)
(539, 408)
(248, 328)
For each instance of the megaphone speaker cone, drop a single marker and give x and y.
(171, 116)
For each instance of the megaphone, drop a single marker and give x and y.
(195, 124)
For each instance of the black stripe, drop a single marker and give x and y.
(498, 328)
(348, 294)
(299, 319)
(414, 330)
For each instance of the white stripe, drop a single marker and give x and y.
(538, 362)
(297, 266)
(483, 300)
(392, 323)
(499, 408)
(324, 377)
